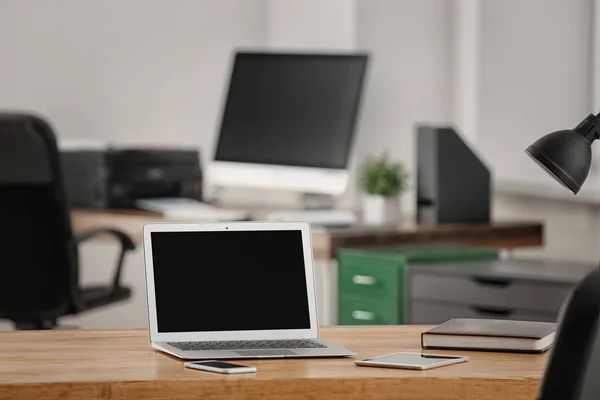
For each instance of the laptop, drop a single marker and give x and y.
(226, 290)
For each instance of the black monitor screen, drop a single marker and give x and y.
(229, 281)
(291, 109)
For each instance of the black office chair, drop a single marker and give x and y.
(574, 365)
(39, 268)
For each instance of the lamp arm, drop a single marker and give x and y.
(589, 127)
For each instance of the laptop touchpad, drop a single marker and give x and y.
(265, 353)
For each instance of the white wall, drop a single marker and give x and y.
(535, 78)
(466, 66)
(481, 64)
(596, 55)
(311, 24)
(571, 229)
(127, 71)
(409, 75)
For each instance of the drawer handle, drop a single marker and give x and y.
(363, 280)
(500, 312)
(492, 281)
(363, 315)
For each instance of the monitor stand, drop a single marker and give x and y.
(318, 210)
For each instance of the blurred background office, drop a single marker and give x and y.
(155, 73)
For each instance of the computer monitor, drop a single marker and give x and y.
(289, 122)
(453, 183)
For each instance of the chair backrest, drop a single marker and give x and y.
(590, 388)
(572, 370)
(38, 260)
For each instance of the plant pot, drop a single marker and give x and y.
(381, 210)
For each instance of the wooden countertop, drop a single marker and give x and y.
(119, 364)
(501, 234)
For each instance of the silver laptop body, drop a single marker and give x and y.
(233, 290)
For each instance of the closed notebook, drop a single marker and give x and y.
(490, 335)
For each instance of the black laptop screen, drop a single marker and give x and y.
(229, 281)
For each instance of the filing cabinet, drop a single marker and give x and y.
(363, 310)
(499, 289)
(371, 284)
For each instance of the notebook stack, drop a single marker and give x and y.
(490, 335)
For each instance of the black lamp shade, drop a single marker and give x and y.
(565, 155)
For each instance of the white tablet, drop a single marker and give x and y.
(411, 360)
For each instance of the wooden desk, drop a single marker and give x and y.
(121, 365)
(327, 242)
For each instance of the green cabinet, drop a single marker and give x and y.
(376, 279)
(371, 282)
(366, 310)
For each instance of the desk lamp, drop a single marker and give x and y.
(566, 155)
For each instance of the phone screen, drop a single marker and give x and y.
(418, 359)
(219, 364)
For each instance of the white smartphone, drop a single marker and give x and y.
(220, 367)
(411, 360)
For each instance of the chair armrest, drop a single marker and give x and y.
(124, 239)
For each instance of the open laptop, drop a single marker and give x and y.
(233, 290)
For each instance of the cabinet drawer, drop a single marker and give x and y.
(490, 292)
(435, 314)
(367, 280)
(365, 311)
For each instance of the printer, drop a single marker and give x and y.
(116, 178)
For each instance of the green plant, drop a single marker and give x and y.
(383, 177)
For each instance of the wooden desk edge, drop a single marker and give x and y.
(293, 389)
(502, 234)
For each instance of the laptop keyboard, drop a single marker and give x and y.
(248, 344)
